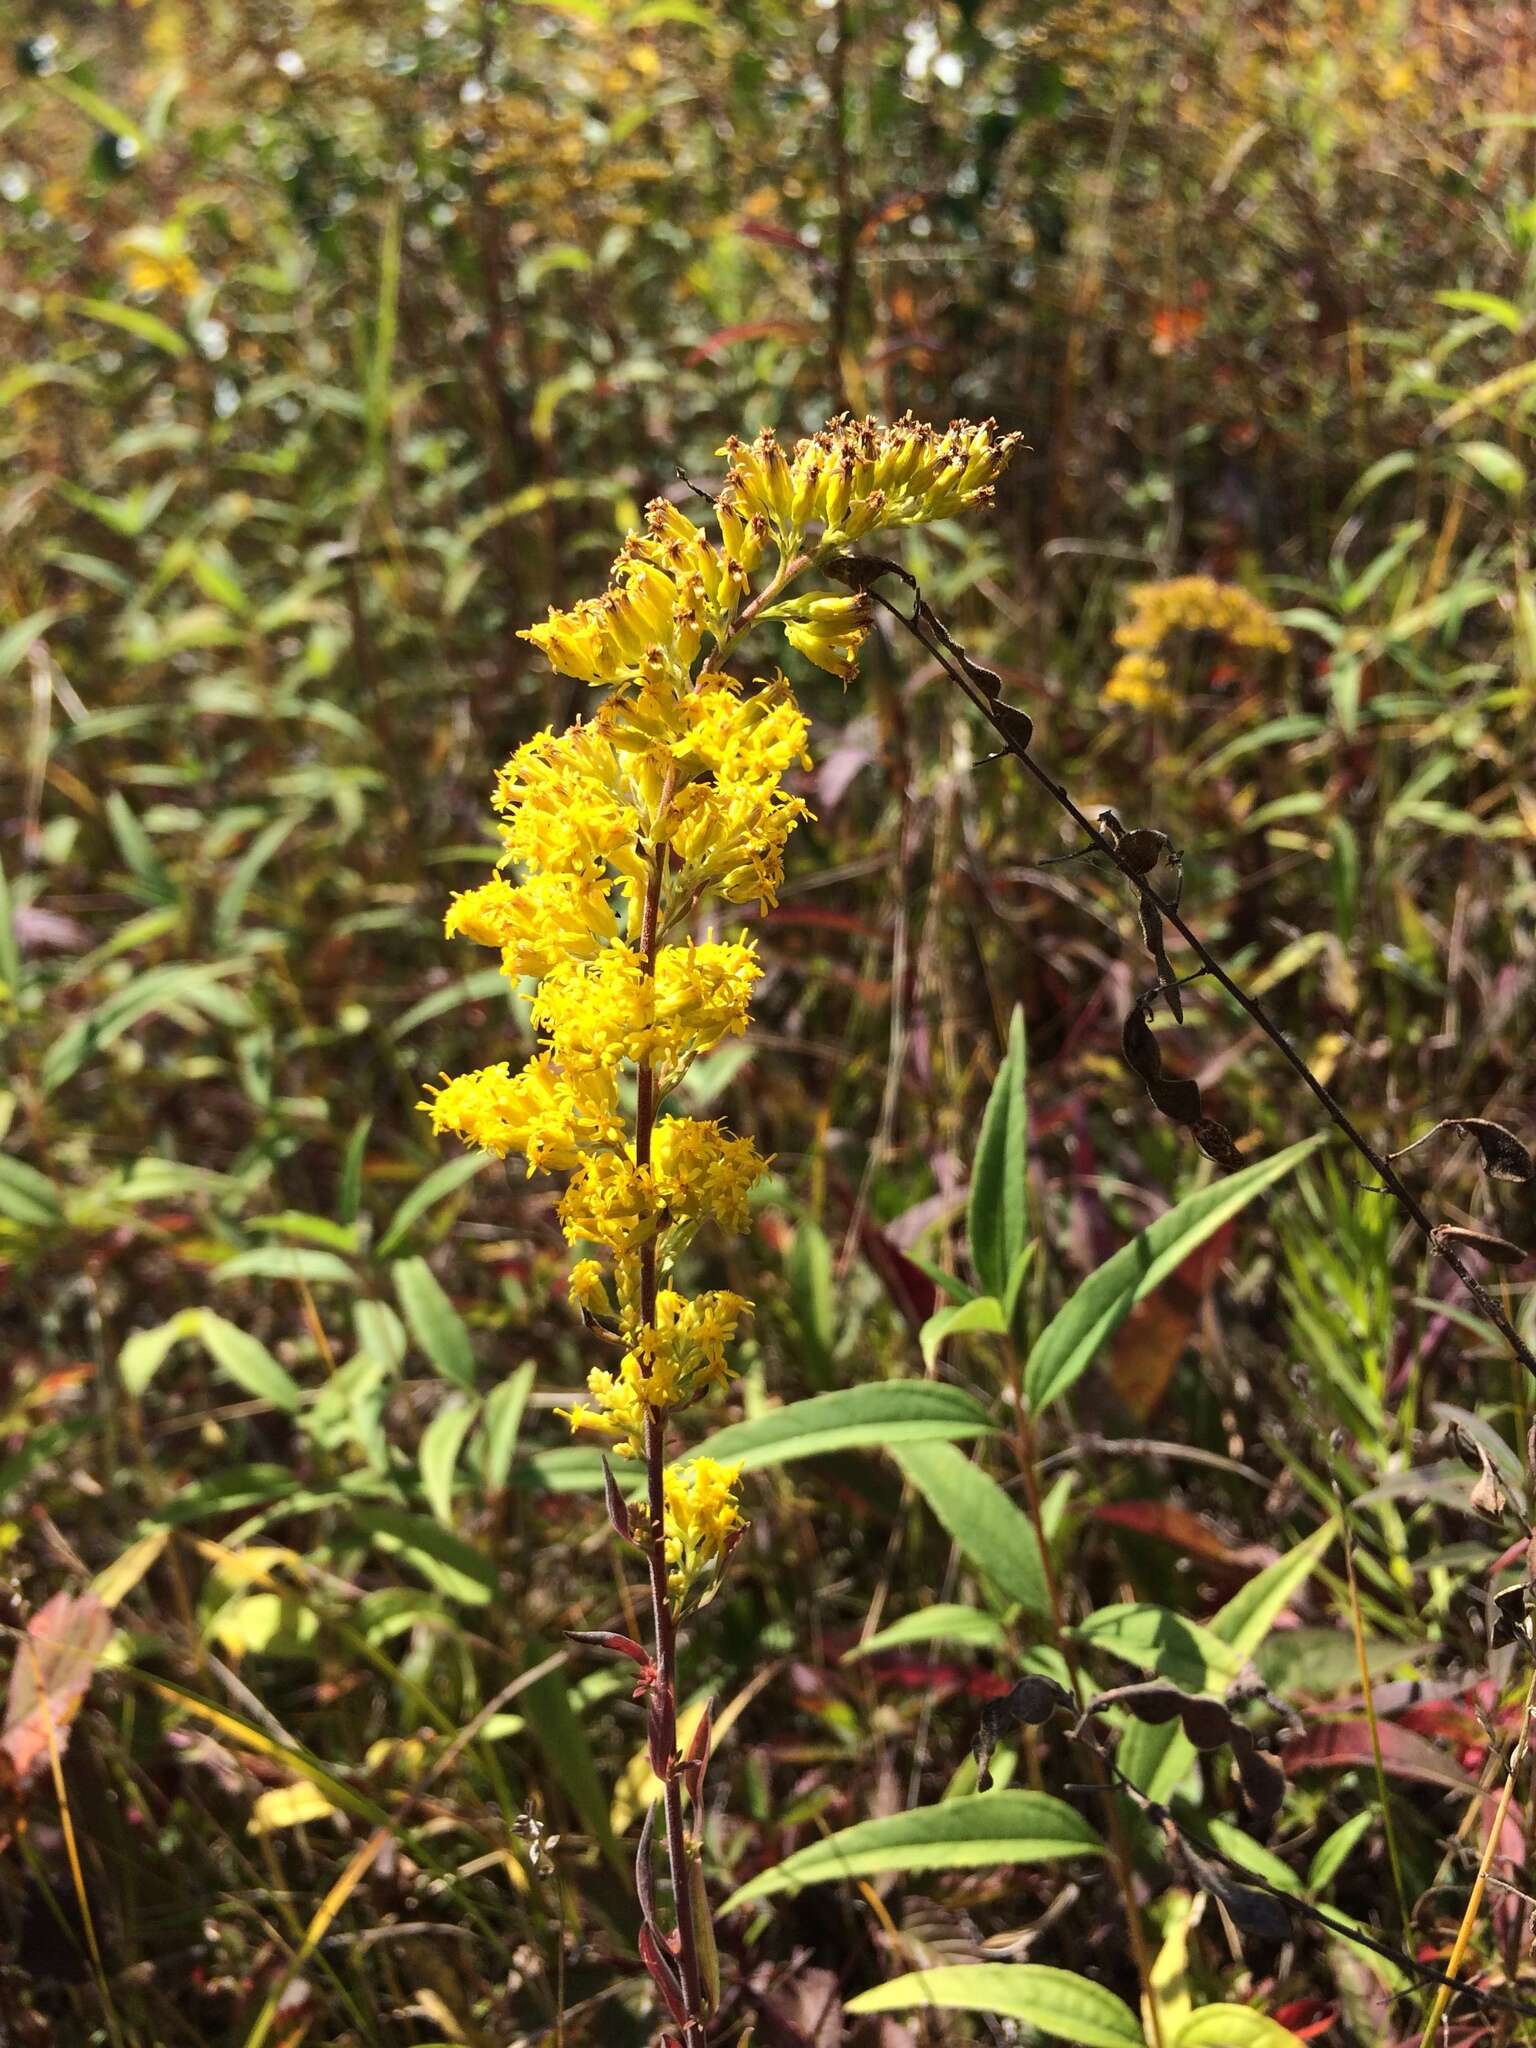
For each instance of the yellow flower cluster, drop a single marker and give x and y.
(615, 834)
(703, 1526)
(1187, 604)
(856, 475)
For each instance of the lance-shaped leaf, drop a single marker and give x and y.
(1057, 2003)
(980, 1831)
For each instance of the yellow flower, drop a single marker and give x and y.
(596, 1014)
(667, 1367)
(703, 1523)
(542, 921)
(1187, 604)
(553, 1118)
(703, 1173)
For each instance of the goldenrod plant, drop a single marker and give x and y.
(625, 835)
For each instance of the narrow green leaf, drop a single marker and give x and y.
(434, 1322)
(441, 1442)
(981, 1830)
(287, 1262)
(501, 1419)
(874, 1416)
(1058, 2003)
(145, 1351)
(997, 1216)
(439, 1184)
(10, 950)
(135, 321)
(232, 897)
(161, 988)
(1078, 1332)
(994, 1535)
(27, 1196)
(945, 1623)
(245, 1360)
(809, 1270)
(380, 1332)
(349, 1197)
(444, 1560)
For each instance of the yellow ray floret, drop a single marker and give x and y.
(703, 1525)
(539, 922)
(596, 1014)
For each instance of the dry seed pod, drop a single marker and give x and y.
(1143, 849)
(1504, 1157)
(1497, 1250)
(1177, 1098)
(1152, 934)
(1138, 1045)
(1215, 1141)
(1016, 726)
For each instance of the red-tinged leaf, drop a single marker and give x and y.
(1151, 1340)
(1169, 1523)
(55, 1662)
(780, 238)
(745, 330)
(912, 1293)
(1307, 2018)
(1346, 1746)
(605, 1639)
(663, 1975)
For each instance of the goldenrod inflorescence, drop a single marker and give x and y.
(618, 832)
(1187, 604)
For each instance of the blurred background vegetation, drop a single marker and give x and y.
(338, 341)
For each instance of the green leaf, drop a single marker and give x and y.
(101, 112)
(245, 1360)
(997, 1538)
(441, 1442)
(871, 1417)
(27, 1196)
(1488, 303)
(1077, 1333)
(1157, 1640)
(1495, 465)
(1233, 2026)
(287, 1262)
(349, 1197)
(434, 1322)
(945, 1623)
(232, 897)
(443, 1559)
(439, 1184)
(809, 1271)
(135, 321)
(984, 1313)
(1058, 2003)
(997, 1216)
(553, 1721)
(145, 1351)
(982, 1830)
(380, 1332)
(159, 989)
(10, 950)
(501, 1419)
(137, 849)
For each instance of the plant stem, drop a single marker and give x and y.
(1120, 1851)
(664, 1689)
(1002, 720)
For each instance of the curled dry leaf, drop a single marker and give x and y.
(1503, 1155)
(1177, 1097)
(1215, 1141)
(1208, 1724)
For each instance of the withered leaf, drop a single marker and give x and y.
(1177, 1097)
(1016, 726)
(1138, 1045)
(55, 1662)
(1497, 1250)
(1152, 934)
